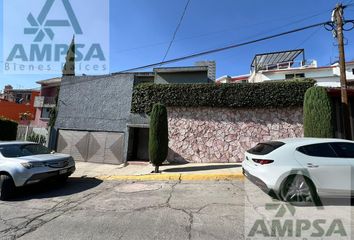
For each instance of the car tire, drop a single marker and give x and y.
(300, 190)
(7, 187)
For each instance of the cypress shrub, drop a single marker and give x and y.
(158, 136)
(318, 112)
(8, 129)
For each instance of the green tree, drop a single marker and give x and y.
(158, 136)
(318, 109)
(69, 67)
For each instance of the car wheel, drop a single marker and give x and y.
(7, 187)
(298, 189)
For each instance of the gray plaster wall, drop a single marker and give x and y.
(182, 77)
(96, 103)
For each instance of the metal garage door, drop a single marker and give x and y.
(97, 147)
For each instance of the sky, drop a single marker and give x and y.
(140, 32)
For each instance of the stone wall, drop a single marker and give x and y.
(223, 135)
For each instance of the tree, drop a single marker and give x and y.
(318, 113)
(69, 67)
(158, 136)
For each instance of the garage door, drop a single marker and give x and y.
(96, 147)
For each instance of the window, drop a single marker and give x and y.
(353, 71)
(12, 151)
(300, 75)
(265, 148)
(292, 76)
(318, 150)
(45, 114)
(343, 149)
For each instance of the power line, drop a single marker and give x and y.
(225, 48)
(177, 28)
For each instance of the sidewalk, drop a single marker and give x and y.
(143, 172)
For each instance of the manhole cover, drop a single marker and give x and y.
(137, 187)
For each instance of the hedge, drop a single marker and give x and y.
(8, 129)
(318, 114)
(246, 95)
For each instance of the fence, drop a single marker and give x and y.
(27, 133)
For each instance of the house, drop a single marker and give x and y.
(203, 72)
(95, 123)
(46, 101)
(14, 102)
(292, 64)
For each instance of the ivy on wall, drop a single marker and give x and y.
(245, 95)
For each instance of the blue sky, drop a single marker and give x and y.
(140, 31)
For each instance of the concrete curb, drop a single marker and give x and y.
(177, 177)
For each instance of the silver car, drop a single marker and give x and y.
(24, 163)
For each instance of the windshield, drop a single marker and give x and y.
(23, 150)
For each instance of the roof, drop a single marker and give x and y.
(51, 81)
(233, 79)
(260, 61)
(240, 78)
(311, 140)
(181, 69)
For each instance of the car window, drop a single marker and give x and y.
(22, 150)
(343, 149)
(318, 150)
(265, 148)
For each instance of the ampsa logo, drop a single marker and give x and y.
(40, 41)
(283, 223)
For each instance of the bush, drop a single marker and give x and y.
(158, 136)
(247, 95)
(318, 109)
(8, 129)
(37, 138)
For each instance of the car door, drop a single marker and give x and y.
(330, 173)
(345, 151)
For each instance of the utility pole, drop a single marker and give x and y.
(338, 19)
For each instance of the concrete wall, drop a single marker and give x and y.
(100, 103)
(182, 77)
(223, 135)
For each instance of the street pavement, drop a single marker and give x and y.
(88, 208)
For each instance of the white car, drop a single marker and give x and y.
(24, 163)
(302, 169)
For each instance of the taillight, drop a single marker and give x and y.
(262, 161)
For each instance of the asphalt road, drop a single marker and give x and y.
(92, 209)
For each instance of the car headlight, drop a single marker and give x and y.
(30, 165)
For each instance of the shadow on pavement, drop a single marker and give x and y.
(51, 188)
(201, 168)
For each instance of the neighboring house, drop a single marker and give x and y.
(15, 102)
(46, 101)
(20, 96)
(292, 65)
(235, 79)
